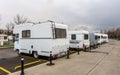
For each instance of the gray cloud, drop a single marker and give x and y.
(97, 14)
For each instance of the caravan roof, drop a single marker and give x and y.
(26, 26)
(99, 34)
(77, 32)
(104, 34)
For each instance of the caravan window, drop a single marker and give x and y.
(5, 37)
(60, 33)
(96, 37)
(105, 37)
(26, 33)
(85, 36)
(73, 37)
(15, 37)
(102, 36)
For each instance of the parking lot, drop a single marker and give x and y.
(10, 61)
(100, 61)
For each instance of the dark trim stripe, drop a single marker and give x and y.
(23, 49)
(45, 52)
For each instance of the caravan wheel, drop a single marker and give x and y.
(35, 55)
(18, 52)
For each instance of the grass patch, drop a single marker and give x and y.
(4, 46)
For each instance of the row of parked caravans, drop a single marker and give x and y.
(44, 38)
(83, 39)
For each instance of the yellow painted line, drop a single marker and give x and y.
(44, 60)
(17, 67)
(31, 63)
(73, 51)
(33, 57)
(5, 70)
(27, 56)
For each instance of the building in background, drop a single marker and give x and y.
(6, 37)
(3, 39)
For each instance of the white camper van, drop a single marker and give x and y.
(41, 39)
(79, 39)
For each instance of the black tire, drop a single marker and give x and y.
(18, 52)
(35, 55)
(85, 49)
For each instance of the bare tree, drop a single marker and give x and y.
(9, 27)
(1, 31)
(114, 33)
(19, 19)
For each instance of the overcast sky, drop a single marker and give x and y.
(93, 14)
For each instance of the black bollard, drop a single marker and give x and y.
(90, 48)
(85, 49)
(68, 53)
(22, 66)
(50, 59)
(78, 51)
(94, 46)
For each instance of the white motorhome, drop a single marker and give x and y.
(41, 39)
(79, 39)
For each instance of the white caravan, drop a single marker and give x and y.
(41, 39)
(93, 40)
(105, 38)
(79, 39)
(99, 38)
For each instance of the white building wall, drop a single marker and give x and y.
(3, 39)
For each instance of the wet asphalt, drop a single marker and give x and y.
(9, 59)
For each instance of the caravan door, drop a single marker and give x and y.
(16, 42)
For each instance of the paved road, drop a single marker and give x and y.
(104, 60)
